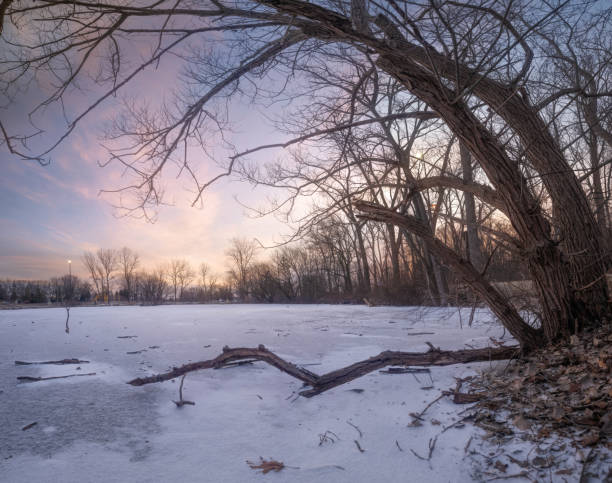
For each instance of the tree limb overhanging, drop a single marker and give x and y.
(324, 382)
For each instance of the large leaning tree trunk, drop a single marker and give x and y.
(568, 272)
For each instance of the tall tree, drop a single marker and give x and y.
(107, 265)
(128, 261)
(94, 270)
(241, 254)
(181, 274)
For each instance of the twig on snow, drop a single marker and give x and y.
(361, 450)
(354, 426)
(28, 426)
(60, 362)
(181, 402)
(37, 379)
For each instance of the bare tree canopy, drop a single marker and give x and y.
(128, 261)
(523, 86)
(241, 253)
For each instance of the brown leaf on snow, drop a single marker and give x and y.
(517, 384)
(521, 423)
(590, 439)
(544, 432)
(266, 466)
(557, 413)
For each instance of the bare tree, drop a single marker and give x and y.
(263, 283)
(241, 253)
(204, 273)
(107, 265)
(128, 262)
(152, 285)
(185, 277)
(212, 286)
(204, 278)
(95, 272)
(181, 275)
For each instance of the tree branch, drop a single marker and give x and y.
(340, 376)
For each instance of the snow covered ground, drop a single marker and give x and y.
(99, 429)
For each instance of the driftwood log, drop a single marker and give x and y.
(322, 383)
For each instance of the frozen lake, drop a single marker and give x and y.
(99, 429)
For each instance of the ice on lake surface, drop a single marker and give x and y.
(99, 429)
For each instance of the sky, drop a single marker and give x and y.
(52, 214)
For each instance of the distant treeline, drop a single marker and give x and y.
(336, 262)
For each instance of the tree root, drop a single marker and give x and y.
(322, 383)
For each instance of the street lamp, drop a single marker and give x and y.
(70, 278)
(69, 296)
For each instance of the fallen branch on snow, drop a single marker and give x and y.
(60, 362)
(322, 383)
(37, 379)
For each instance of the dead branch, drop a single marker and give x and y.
(338, 377)
(238, 363)
(181, 402)
(37, 379)
(60, 362)
(466, 398)
(419, 416)
(356, 427)
(404, 370)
